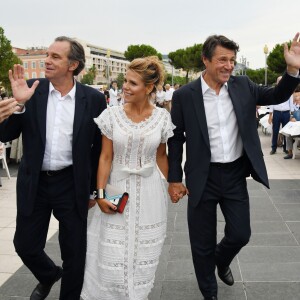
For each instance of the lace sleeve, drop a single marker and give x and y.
(104, 122)
(168, 127)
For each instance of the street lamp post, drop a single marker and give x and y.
(266, 51)
(171, 63)
(107, 68)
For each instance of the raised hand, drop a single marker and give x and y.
(292, 55)
(20, 89)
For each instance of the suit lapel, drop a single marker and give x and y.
(80, 105)
(198, 101)
(42, 94)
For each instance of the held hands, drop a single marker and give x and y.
(176, 191)
(106, 206)
(292, 56)
(19, 86)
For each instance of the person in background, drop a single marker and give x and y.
(168, 97)
(160, 96)
(57, 173)
(123, 249)
(114, 94)
(280, 115)
(215, 116)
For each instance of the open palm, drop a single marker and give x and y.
(20, 89)
(292, 55)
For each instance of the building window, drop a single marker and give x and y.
(33, 75)
(33, 65)
(42, 74)
(25, 65)
(26, 75)
(42, 64)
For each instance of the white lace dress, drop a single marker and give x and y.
(123, 249)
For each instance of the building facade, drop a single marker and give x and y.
(33, 60)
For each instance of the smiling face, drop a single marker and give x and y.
(57, 64)
(134, 88)
(220, 67)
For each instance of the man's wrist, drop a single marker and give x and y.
(292, 71)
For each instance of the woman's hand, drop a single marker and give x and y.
(106, 206)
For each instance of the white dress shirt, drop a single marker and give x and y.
(285, 106)
(59, 129)
(160, 97)
(168, 95)
(225, 141)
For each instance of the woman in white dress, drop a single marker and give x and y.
(123, 249)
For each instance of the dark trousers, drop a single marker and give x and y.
(279, 118)
(55, 195)
(226, 186)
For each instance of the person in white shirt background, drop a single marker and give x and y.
(168, 97)
(160, 96)
(280, 115)
(113, 94)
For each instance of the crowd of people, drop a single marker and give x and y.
(75, 146)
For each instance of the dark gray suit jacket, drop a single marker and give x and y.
(89, 103)
(188, 115)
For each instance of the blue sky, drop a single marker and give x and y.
(164, 24)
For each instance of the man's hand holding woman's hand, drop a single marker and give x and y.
(177, 191)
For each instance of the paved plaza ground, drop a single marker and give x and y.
(267, 268)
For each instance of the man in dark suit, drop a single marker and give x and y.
(215, 116)
(57, 173)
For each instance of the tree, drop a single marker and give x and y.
(275, 60)
(89, 77)
(136, 51)
(120, 80)
(7, 60)
(188, 59)
(258, 76)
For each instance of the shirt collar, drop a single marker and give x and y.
(205, 87)
(70, 95)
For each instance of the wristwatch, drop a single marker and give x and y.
(99, 194)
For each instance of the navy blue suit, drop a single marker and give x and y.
(65, 195)
(211, 184)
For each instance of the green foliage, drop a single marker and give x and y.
(137, 51)
(188, 59)
(258, 76)
(89, 77)
(275, 60)
(120, 80)
(7, 59)
(176, 79)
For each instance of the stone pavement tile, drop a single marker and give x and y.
(294, 227)
(274, 239)
(287, 184)
(268, 227)
(7, 248)
(289, 212)
(7, 233)
(270, 263)
(9, 263)
(7, 222)
(179, 290)
(183, 290)
(264, 215)
(288, 193)
(257, 193)
(272, 290)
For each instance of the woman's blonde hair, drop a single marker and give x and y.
(150, 69)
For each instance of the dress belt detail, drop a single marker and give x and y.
(123, 172)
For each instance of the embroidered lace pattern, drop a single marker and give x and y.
(123, 249)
